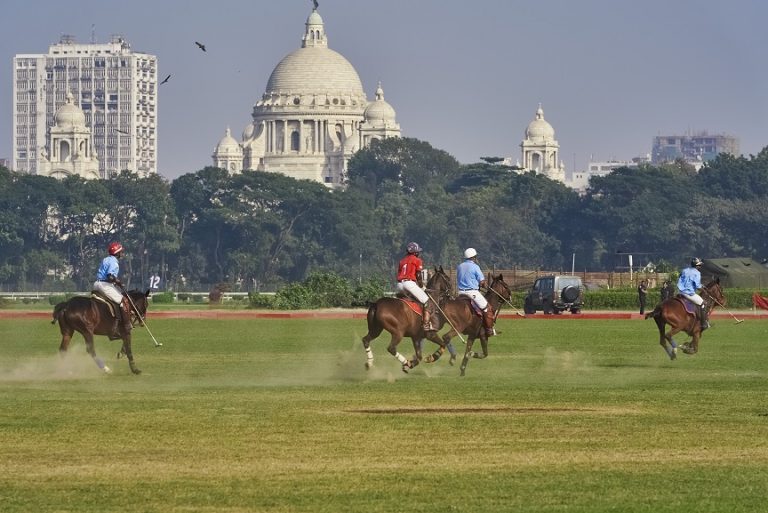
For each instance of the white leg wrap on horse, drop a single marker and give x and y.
(369, 353)
(401, 358)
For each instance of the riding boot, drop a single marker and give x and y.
(488, 321)
(125, 313)
(118, 310)
(425, 314)
(704, 315)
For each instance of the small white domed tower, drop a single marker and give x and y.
(540, 148)
(228, 154)
(379, 120)
(70, 147)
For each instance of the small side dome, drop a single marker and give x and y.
(228, 145)
(314, 19)
(70, 115)
(539, 128)
(248, 132)
(379, 110)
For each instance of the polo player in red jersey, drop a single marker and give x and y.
(409, 280)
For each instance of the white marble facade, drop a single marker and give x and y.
(313, 116)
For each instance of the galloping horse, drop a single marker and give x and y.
(91, 317)
(463, 318)
(400, 320)
(673, 312)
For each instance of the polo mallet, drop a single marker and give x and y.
(141, 318)
(738, 321)
(437, 304)
(517, 310)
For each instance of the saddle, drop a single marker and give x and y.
(690, 308)
(98, 296)
(408, 300)
(472, 305)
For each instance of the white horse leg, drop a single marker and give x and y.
(368, 358)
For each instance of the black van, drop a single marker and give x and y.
(555, 294)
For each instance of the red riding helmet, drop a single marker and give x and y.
(115, 248)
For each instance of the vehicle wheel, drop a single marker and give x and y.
(570, 294)
(528, 308)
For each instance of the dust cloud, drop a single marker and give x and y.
(74, 365)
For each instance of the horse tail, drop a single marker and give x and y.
(372, 312)
(58, 310)
(655, 313)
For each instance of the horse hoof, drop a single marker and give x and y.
(368, 365)
(136, 370)
(429, 359)
(452, 361)
(107, 370)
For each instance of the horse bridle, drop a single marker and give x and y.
(711, 296)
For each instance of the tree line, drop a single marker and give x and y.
(260, 231)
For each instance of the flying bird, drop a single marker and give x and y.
(121, 131)
(166, 79)
(201, 46)
(315, 2)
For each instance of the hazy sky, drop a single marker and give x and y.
(465, 76)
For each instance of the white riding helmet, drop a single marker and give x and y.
(413, 248)
(470, 252)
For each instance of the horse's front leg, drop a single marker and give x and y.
(88, 336)
(467, 354)
(417, 342)
(694, 345)
(129, 353)
(434, 337)
(671, 350)
(483, 345)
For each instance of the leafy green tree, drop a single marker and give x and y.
(410, 163)
(732, 177)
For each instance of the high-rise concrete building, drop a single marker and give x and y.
(694, 149)
(116, 89)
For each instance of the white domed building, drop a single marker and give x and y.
(312, 117)
(540, 149)
(379, 120)
(228, 154)
(69, 149)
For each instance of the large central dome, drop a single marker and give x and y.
(315, 69)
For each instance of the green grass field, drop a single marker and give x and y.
(281, 416)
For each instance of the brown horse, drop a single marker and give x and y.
(400, 320)
(91, 317)
(673, 312)
(463, 318)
